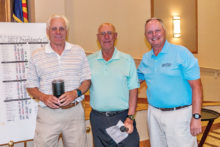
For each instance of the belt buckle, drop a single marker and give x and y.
(107, 114)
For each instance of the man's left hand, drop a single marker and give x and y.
(128, 123)
(67, 98)
(195, 126)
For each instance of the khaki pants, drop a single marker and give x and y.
(170, 128)
(53, 122)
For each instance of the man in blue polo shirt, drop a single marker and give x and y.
(113, 92)
(174, 90)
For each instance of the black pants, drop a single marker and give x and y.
(100, 122)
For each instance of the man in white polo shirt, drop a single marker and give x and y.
(59, 60)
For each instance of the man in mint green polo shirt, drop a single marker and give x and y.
(113, 93)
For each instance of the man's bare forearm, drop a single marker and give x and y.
(35, 93)
(132, 101)
(197, 95)
(85, 85)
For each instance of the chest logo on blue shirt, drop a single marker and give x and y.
(166, 65)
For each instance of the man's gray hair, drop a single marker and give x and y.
(58, 16)
(108, 24)
(158, 19)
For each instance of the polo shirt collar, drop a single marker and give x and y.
(48, 48)
(115, 56)
(164, 49)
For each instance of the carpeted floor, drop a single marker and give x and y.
(213, 139)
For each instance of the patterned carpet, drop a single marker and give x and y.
(213, 139)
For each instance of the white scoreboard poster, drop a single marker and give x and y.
(17, 110)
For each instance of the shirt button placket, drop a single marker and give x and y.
(105, 68)
(155, 66)
(59, 66)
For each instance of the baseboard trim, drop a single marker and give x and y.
(145, 143)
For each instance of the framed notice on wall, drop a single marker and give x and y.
(17, 110)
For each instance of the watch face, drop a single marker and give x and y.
(79, 93)
(131, 117)
(196, 116)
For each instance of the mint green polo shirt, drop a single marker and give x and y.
(111, 81)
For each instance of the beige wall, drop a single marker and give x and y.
(129, 17)
(86, 15)
(211, 86)
(209, 33)
(209, 47)
(45, 8)
(186, 9)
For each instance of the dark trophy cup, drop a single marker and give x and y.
(58, 87)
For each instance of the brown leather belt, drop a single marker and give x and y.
(69, 106)
(172, 109)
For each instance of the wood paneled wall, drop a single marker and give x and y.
(5, 10)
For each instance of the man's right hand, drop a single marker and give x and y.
(51, 101)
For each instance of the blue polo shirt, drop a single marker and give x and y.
(167, 76)
(111, 81)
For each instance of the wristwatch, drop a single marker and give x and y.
(196, 116)
(79, 92)
(131, 117)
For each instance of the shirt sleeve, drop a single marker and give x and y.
(140, 69)
(86, 73)
(31, 75)
(190, 66)
(133, 78)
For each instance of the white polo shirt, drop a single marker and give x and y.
(46, 65)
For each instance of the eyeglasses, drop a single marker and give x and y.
(61, 29)
(106, 33)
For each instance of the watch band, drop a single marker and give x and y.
(79, 92)
(196, 116)
(131, 117)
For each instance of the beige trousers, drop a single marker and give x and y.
(53, 122)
